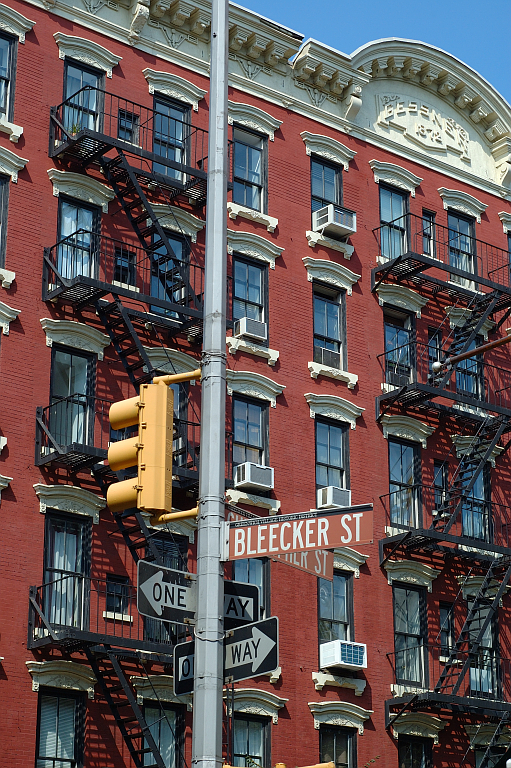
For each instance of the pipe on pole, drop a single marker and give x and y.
(208, 674)
(450, 361)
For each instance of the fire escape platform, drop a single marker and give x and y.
(70, 638)
(416, 393)
(445, 701)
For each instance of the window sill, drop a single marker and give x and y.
(398, 689)
(7, 277)
(316, 238)
(318, 369)
(128, 286)
(239, 496)
(321, 679)
(13, 131)
(236, 210)
(235, 344)
(111, 616)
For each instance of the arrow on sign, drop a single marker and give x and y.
(251, 650)
(162, 595)
(165, 593)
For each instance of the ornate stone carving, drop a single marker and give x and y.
(87, 51)
(481, 734)
(411, 572)
(11, 164)
(322, 679)
(239, 344)
(324, 146)
(316, 238)
(73, 334)
(62, 674)
(69, 498)
(3, 442)
(255, 701)
(339, 713)
(253, 117)
(139, 20)
(235, 210)
(318, 369)
(171, 361)
(13, 22)
(464, 443)
(4, 482)
(331, 273)
(81, 187)
(236, 497)
(348, 559)
(13, 131)
(159, 687)
(7, 277)
(400, 296)
(395, 175)
(179, 220)
(462, 201)
(255, 246)
(418, 724)
(7, 316)
(458, 316)
(333, 407)
(174, 86)
(407, 428)
(505, 218)
(253, 385)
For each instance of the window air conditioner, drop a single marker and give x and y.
(245, 326)
(255, 476)
(341, 653)
(327, 357)
(334, 221)
(333, 497)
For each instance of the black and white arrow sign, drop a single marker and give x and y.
(164, 593)
(241, 603)
(251, 650)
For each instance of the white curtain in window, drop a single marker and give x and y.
(162, 724)
(56, 732)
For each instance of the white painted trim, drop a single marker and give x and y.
(4, 482)
(505, 218)
(7, 277)
(418, 724)
(73, 334)
(463, 444)
(255, 246)
(322, 679)
(13, 22)
(256, 701)
(316, 238)
(87, 52)
(235, 210)
(69, 498)
(406, 428)
(348, 559)
(11, 164)
(81, 187)
(333, 407)
(400, 296)
(411, 572)
(459, 315)
(171, 360)
(318, 369)
(112, 616)
(174, 86)
(13, 131)
(471, 585)
(331, 273)
(481, 734)
(7, 316)
(330, 149)
(253, 117)
(60, 673)
(242, 497)
(395, 175)
(462, 201)
(179, 220)
(253, 385)
(159, 687)
(339, 713)
(239, 344)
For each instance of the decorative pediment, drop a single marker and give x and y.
(178, 220)
(159, 688)
(458, 316)
(418, 724)
(471, 585)
(325, 679)
(399, 296)
(255, 246)
(463, 202)
(411, 572)
(81, 187)
(234, 210)
(255, 701)
(481, 734)
(175, 87)
(86, 51)
(69, 498)
(242, 497)
(13, 22)
(330, 149)
(333, 407)
(11, 164)
(348, 559)
(7, 316)
(4, 482)
(406, 428)
(316, 238)
(253, 117)
(339, 713)
(168, 360)
(505, 218)
(73, 334)
(253, 385)
(464, 443)
(59, 673)
(395, 175)
(329, 272)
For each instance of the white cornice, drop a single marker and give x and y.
(241, 497)
(348, 559)
(179, 220)
(256, 701)
(252, 245)
(462, 201)
(458, 316)
(253, 385)
(322, 679)
(7, 316)
(333, 407)
(411, 572)
(159, 688)
(73, 334)
(253, 117)
(464, 443)
(86, 51)
(400, 296)
(330, 149)
(331, 273)
(169, 360)
(11, 164)
(174, 86)
(4, 482)
(481, 734)
(235, 210)
(418, 724)
(395, 175)
(505, 218)
(13, 22)
(318, 369)
(406, 428)
(240, 344)
(60, 673)
(81, 187)
(339, 713)
(69, 498)
(316, 238)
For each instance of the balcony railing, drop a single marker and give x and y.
(186, 449)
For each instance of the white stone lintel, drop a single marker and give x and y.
(234, 210)
(316, 238)
(241, 497)
(86, 51)
(324, 679)
(239, 344)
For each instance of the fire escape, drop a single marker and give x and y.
(464, 677)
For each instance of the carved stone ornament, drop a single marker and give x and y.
(348, 559)
(471, 585)
(171, 361)
(407, 428)
(178, 220)
(13, 131)
(463, 444)
(235, 210)
(330, 149)
(175, 87)
(339, 713)
(4, 482)
(7, 277)
(331, 273)
(3, 442)
(185, 528)
(481, 734)
(333, 407)
(316, 238)
(253, 117)
(7, 316)
(318, 369)
(69, 498)
(395, 175)
(62, 674)
(13, 22)
(505, 218)
(253, 385)
(418, 724)
(81, 187)
(11, 164)
(402, 297)
(237, 497)
(255, 701)
(458, 316)
(255, 246)
(463, 202)
(411, 572)
(86, 51)
(73, 334)
(322, 679)
(159, 687)
(239, 344)
(139, 19)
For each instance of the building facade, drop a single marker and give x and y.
(368, 218)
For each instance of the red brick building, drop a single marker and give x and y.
(405, 152)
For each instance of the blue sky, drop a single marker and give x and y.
(476, 32)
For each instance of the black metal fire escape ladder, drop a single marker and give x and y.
(485, 760)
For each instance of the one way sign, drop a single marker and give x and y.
(164, 593)
(251, 650)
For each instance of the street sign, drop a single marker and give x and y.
(184, 664)
(241, 603)
(251, 650)
(166, 594)
(319, 562)
(317, 529)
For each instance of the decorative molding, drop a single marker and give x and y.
(255, 701)
(458, 316)
(275, 675)
(159, 687)
(69, 498)
(179, 220)
(241, 497)
(463, 444)
(113, 616)
(316, 238)
(13, 131)
(86, 51)
(3, 442)
(239, 344)
(174, 86)
(13, 22)
(253, 117)
(330, 272)
(59, 673)
(407, 428)
(253, 385)
(395, 175)
(333, 407)
(255, 246)
(462, 201)
(318, 369)
(4, 482)
(471, 585)
(402, 297)
(7, 277)
(7, 316)
(322, 679)
(180, 527)
(505, 218)
(74, 334)
(339, 713)
(481, 734)
(330, 149)
(81, 187)
(411, 572)
(11, 164)
(348, 559)
(235, 210)
(418, 724)
(169, 360)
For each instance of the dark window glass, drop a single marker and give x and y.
(248, 186)
(59, 729)
(171, 131)
(393, 206)
(249, 279)
(249, 432)
(494, 757)
(117, 594)
(475, 512)
(125, 262)
(7, 61)
(83, 107)
(325, 184)
(337, 745)
(334, 608)
(4, 208)
(434, 348)
(440, 483)
(461, 247)
(254, 570)
(169, 274)
(249, 741)
(163, 725)
(403, 483)
(330, 454)
(77, 250)
(409, 637)
(414, 753)
(328, 329)
(173, 552)
(447, 639)
(72, 407)
(399, 349)
(127, 126)
(470, 374)
(428, 234)
(485, 665)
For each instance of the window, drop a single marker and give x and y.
(125, 264)
(485, 666)
(447, 639)
(127, 126)
(249, 169)
(173, 553)
(331, 454)
(335, 608)
(7, 74)
(71, 400)
(476, 509)
(250, 432)
(117, 594)
(60, 732)
(251, 740)
(434, 349)
(171, 135)
(337, 745)
(329, 331)
(166, 729)
(461, 247)
(440, 483)
(84, 105)
(250, 290)
(78, 227)
(4, 207)
(404, 470)
(470, 374)
(255, 570)
(169, 273)
(428, 234)
(326, 184)
(393, 209)
(415, 753)
(409, 635)
(494, 757)
(399, 347)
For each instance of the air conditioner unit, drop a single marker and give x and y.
(334, 221)
(245, 326)
(333, 497)
(342, 653)
(255, 476)
(327, 357)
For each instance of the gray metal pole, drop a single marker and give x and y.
(208, 681)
